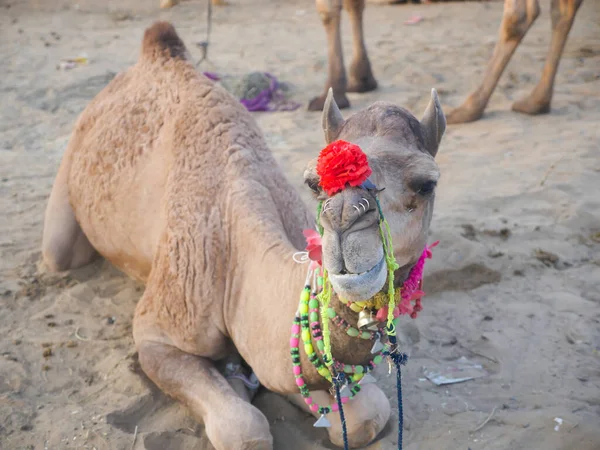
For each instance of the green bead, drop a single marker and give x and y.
(320, 345)
(319, 281)
(348, 369)
(313, 303)
(331, 313)
(314, 317)
(365, 335)
(378, 359)
(358, 369)
(352, 332)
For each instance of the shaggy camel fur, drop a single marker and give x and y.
(169, 177)
(518, 17)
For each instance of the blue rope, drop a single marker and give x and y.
(399, 360)
(337, 380)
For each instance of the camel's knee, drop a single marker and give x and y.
(563, 12)
(329, 10)
(241, 426)
(518, 17)
(354, 6)
(366, 416)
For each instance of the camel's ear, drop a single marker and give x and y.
(433, 124)
(332, 120)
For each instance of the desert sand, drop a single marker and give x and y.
(514, 284)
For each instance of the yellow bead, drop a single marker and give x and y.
(305, 296)
(355, 308)
(303, 308)
(305, 335)
(323, 372)
(308, 348)
(358, 376)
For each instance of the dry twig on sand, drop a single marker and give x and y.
(134, 437)
(483, 424)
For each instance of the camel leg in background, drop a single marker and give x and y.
(563, 16)
(361, 77)
(518, 17)
(331, 14)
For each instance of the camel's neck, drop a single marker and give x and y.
(266, 303)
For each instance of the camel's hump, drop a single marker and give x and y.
(161, 38)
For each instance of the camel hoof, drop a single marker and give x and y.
(470, 111)
(360, 85)
(317, 103)
(529, 105)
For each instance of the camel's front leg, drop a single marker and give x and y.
(563, 16)
(231, 423)
(518, 17)
(331, 12)
(361, 76)
(366, 415)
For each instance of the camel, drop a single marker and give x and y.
(517, 19)
(169, 178)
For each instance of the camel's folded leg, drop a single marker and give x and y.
(331, 14)
(64, 246)
(563, 16)
(230, 422)
(361, 75)
(518, 17)
(366, 414)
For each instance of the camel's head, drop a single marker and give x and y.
(400, 150)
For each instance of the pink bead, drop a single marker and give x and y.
(334, 407)
(299, 382)
(308, 400)
(296, 329)
(297, 370)
(314, 407)
(313, 324)
(345, 400)
(294, 342)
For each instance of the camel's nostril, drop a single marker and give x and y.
(344, 272)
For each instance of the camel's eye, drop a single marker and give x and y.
(425, 187)
(313, 185)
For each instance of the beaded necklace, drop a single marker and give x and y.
(342, 163)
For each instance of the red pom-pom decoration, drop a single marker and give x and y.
(342, 163)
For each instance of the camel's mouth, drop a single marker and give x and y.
(356, 287)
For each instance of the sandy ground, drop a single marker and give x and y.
(514, 284)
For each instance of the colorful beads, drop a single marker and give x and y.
(306, 329)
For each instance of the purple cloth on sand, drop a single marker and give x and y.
(270, 99)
